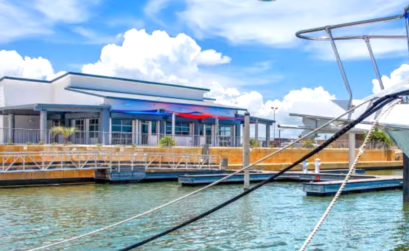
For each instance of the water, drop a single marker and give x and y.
(277, 217)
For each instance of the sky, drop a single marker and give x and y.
(245, 51)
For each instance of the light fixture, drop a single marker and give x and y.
(30, 120)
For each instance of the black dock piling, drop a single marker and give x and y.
(405, 178)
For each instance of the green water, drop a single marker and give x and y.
(277, 217)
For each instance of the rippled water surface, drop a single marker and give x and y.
(277, 217)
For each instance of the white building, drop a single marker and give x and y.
(112, 110)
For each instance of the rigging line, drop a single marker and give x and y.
(347, 177)
(210, 185)
(373, 108)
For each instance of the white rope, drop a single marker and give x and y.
(347, 177)
(199, 190)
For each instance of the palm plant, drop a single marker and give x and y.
(66, 132)
(380, 137)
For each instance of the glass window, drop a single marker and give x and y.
(121, 131)
(93, 128)
(154, 127)
(180, 128)
(201, 129)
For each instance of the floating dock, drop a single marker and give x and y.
(194, 180)
(328, 188)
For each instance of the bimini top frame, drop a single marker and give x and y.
(328, 29)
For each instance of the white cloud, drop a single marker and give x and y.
(20, 19)
(212, 57)
(159, 57)
(256, 105)
(72, 11)
(155, 56)
(397, 76)
(275, 23)
(14, 65)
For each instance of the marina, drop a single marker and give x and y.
(146, 150)
(43, 214)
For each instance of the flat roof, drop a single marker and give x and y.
(128, 96)
(104, 77)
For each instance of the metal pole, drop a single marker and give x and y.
(405, 178)
(274, 126)
(340, 66)
(351, 149)
(173, 125)
(246, 150)
(375, 65)
(407, 26)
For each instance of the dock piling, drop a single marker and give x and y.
(405, 178)
(246, 149)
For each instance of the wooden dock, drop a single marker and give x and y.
(194, 180)
(353, 186)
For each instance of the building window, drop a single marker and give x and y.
(79, 136)
(154, 127)
(225, 135)
(121, 131)
(93, 128)
(208, 129)
(201, 129)
(80, 125)
(180, 128)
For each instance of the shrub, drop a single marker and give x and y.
(29, 143)
(308, 144)
(41, 142)
(167, 141)
(253, 143)
(66, 132)
(133, 145)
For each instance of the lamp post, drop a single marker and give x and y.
(274, 125)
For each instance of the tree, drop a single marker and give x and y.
(66, 132)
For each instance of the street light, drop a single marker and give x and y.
(274, 125)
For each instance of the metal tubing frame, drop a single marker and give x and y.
(328, 29)
(341, 66)
(375, 65)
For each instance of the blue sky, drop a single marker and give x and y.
(256, 39)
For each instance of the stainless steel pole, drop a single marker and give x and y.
(375, 65)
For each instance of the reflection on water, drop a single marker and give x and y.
(276, 217)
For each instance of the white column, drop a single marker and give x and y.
(134, 132)
(267, 134)
(351, 149)
(173, 124)
(86, 128)
(137, 132)
(246, 150)
(43, 126)
(216, 132)
(11, 125)
(256, 130)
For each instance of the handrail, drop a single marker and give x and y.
(87, 160)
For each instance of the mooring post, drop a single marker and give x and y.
(246, 149)
(352, 145)
(405, 178)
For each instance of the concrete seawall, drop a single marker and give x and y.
(330, 159)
